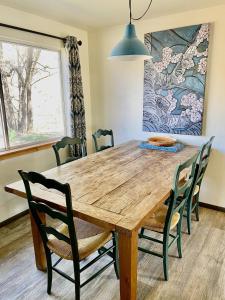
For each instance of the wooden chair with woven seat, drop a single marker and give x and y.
(166, 218)
(201, 166)
(70, 143)
(98, 134)
(74, 239)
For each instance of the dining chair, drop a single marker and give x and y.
(201, 166)
(68, 142)
(98, 134)
(74, 239)
(169, 216)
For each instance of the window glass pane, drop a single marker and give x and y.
(32, 92)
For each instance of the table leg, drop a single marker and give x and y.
(38, 244)
(128, 250)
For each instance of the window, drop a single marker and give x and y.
(31, 105)
(2, 144)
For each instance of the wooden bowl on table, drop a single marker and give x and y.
(162, 141)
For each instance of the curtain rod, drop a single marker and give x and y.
(36, 32)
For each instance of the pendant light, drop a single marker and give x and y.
(130, 47)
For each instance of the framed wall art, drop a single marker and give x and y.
(174, 80)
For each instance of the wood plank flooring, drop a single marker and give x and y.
(200, 274)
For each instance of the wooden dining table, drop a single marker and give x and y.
(116, 189)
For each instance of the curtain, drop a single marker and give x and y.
(78, 125)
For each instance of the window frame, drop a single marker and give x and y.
(3, 120)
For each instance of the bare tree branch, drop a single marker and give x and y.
(41, 79)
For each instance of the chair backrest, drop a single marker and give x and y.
(203, 160)
(37, 207)
(70, 142)
(181, 189)
(98, 134)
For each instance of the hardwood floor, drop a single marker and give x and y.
(200, 274)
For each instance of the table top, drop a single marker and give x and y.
(116, 188)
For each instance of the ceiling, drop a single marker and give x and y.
(101, 13)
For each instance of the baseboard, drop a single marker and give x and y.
(210, 206)
(13, 218)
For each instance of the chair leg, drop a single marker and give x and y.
(197, 212)
(76, 267)
(116, 255)
(142, 232)
(77, 292)
(99, 251)
(49, 270)
(197, 207)
(179, 240)
(165, 258)
(189, 219)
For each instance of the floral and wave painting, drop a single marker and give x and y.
(174, 80)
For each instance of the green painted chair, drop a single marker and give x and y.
(201, 166)
(73, 240)
(70, 143)
(168, 217)
(98, 134)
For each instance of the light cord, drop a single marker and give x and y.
(130, 11)
(139, 18)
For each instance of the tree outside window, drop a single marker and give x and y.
(31, 82)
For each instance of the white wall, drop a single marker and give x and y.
(117, 90)
(11, 205)
(43, 160)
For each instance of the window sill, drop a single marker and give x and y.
(25, 150)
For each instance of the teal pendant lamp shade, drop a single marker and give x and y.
(130, 47)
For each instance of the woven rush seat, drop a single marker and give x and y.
(196, 190)
(89, 236)
(104, 147)
(69, 159)
(156, 221)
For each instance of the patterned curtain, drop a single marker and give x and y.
(78, 126)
